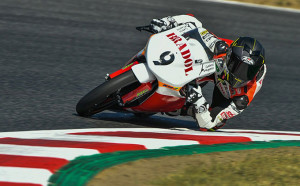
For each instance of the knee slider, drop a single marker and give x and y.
(241, 102)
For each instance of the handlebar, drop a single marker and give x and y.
(145, 28)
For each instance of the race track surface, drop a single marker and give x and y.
(54, 52)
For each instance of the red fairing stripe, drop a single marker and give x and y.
(143, 88)
(205, 79)
(161, 103)
(191, 15)
(125, 69)
(228, 41)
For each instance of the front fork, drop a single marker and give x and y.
(146, 85)
(138, 58)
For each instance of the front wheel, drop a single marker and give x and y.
(104, 96)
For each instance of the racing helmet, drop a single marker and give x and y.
(245, 57)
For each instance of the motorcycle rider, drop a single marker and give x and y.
(240, 71)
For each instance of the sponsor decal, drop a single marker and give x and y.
(170, 87)
(127, 66)
(185, 52)
(141, 93)
(224, 88)
(238, 90)
(248, 60)
(198, 61)
(204, 32)
(208, 67)
(209, 38)
(186, 27)
(223, 115)
(227, 115)
(165, 59)
(211, 46)
(161, 84)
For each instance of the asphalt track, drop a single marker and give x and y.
(54, 52)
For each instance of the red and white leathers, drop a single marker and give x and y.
(227, 101)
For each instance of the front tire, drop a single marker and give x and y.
(103, 96)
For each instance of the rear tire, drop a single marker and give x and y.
(103, 96)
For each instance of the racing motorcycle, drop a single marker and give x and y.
(155, 79)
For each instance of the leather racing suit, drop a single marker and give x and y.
(227, 101)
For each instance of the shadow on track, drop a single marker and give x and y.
(157, 121)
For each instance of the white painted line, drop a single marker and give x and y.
(65, 131)
(254, 5)
(259, 136)
(266, 131)
(50, 133)
(53, 152)
(40, 176)
(149, 143)
(222, 132)
(24, 175)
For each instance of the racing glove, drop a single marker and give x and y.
(200, 108)
(160, 25)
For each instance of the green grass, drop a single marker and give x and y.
(272, 166)
(261, 169)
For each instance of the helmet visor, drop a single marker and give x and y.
(237, 82)
(241, 71)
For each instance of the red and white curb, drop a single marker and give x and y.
(31, 157)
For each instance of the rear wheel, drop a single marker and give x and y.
(104, 96)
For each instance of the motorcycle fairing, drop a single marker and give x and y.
(124, 69)
(159, 103)
(175, 60)
(164, 55)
